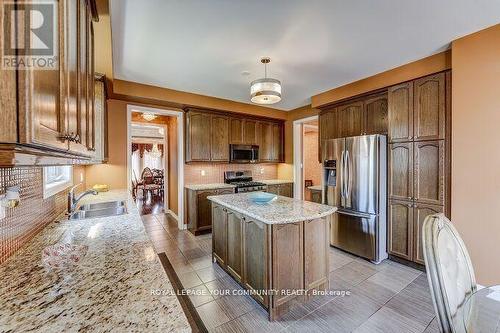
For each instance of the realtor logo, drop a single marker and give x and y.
(29, 35)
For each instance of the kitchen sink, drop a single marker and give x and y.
(102, 205)
(102, 209)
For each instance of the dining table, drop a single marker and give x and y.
(481, 313)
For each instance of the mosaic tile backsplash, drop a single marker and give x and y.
(214, 173)
(33, 213)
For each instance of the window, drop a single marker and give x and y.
(56, 179)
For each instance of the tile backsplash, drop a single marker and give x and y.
(206, 173)
(33, 213)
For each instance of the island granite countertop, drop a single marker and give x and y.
(279, 211)
(111, 289)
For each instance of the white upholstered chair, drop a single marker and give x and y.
(449, 271)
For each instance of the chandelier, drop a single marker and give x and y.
(266, 90)
(148, 116)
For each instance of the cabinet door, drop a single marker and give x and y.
(429, 172)
(400, 106)
(90, 84)
(219, 149)
(249, 132)
(350, 119)
(266, 147)
(255, 261)
(277, 147)
(83, 68)
(429, 105)
(219, 233)
(420, 212)
(204, 208)
(316, 196)
(316, 252)
(235, 244)
(328, 129)
(41, 118)
(401, 171)
(198, 137)
(376, 115)
(400, 220)
(236, 130)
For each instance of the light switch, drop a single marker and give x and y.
(81, 177)
(203, 173)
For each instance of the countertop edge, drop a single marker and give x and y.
(245, 212)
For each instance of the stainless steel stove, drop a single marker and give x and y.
(243, 181)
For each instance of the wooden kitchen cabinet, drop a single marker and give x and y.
(375, 115)
(198, 137)
(266, 142)
(54, 110)
(234, 260)
(219, 147)
(400, 228)
(249, 132)
(400, 106)
(236, 131)
(277, 146)
(429, 107)
(199, 209)
(429, 173)
(400, 171)
(219, 234)
(350, 119)
(420, 212)
(285, 189)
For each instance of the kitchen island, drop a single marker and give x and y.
(278, 251)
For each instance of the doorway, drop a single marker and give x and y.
(154, 141)
(307, 168)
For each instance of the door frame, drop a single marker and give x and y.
(298, 156)
(180, 154)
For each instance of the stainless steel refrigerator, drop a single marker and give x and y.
(355, 181)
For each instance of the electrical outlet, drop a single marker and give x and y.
(81, 177)
(261, 171)
(203, 173)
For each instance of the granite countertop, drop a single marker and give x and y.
(200, 187)
(279, 211)
(276, 181)
(315, 188)
(109, 290)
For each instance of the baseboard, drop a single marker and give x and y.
(173, 215)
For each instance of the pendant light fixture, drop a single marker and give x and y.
(148, 116)
(266, 90)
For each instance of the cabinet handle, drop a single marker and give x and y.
(65, 137)
(409, 205)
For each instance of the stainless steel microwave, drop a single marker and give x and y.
(244, 153)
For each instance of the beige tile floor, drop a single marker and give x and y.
(383, 298)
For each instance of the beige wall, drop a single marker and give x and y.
(173, 161)
(312, 167)
(475, 192)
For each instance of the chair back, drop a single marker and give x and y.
(147, 176)
(449, 271)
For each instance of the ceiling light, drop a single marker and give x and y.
(148, 116)
(266, 90)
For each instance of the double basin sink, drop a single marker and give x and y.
(101, 209)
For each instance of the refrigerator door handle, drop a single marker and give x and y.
(342, 174)
(348, 173)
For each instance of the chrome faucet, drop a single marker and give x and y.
(73, 201)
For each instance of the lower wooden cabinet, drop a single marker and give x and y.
(285, 190)
(219, 234)
(255, 258)
(405, 221)
(234, 260)
(316, 196)
(199, 209)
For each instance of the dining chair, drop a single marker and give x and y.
(449, 272)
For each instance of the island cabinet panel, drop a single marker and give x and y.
(255, 258)
(219, 234)
(234, 260)
(316, 251)
(288, 261)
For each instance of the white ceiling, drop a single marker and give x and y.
(204, 46)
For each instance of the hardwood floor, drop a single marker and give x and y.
(388, 297)
(150, 204)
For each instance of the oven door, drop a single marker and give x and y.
(244, 153)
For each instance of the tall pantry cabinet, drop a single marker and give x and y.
(418, 160)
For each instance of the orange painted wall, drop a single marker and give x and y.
(475, 148)
(173, 173)
(312, 167)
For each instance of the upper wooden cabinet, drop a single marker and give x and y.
(350, 119)
(375, 115)
(209, 134)
(198, 136)
(55, 107)
(400, 99)
(236, 131)
(220, 139)
(400, 156)
(417, 109)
